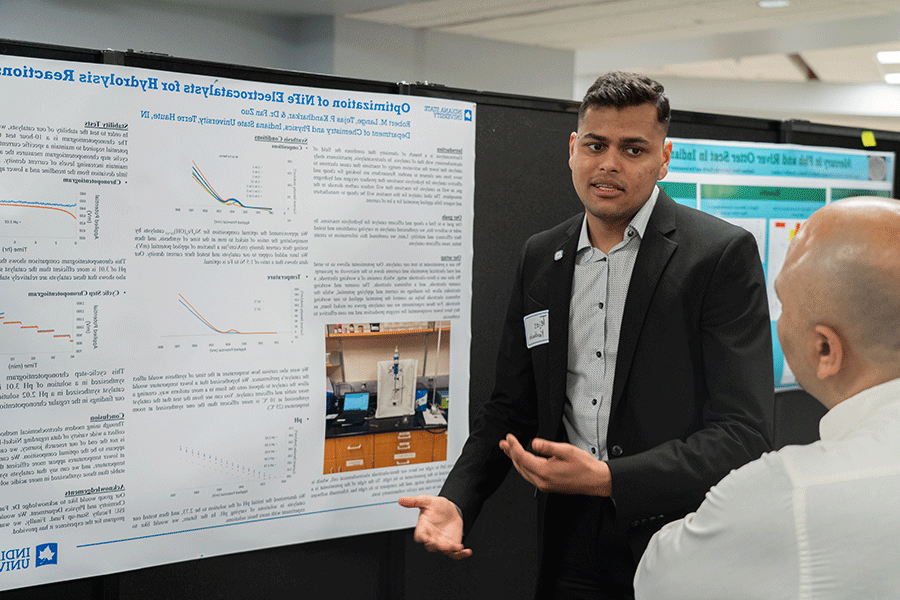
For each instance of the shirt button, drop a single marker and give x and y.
(630, 233)
(601, 305)
(616, 450)
(593, 450)
(594, 402)
(599, 354)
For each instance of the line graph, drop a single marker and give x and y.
(184, 302)
(208, 453)
(258, 184)
(228, 468)
(200, 178)
(46, 205)
(55, 328)
(30, 219)
(262, 455)
(209, 315)
(37, 329)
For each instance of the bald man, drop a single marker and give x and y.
(820, 521)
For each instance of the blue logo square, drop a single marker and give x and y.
(45, 554)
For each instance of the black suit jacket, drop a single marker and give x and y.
(693, 392)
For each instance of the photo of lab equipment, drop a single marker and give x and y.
(387, 398)
(396, 386)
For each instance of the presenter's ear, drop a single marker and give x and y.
(667, 156)
(829, 352)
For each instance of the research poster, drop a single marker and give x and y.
(233, 315)
(770, 190)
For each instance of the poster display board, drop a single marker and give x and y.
(770, 190)
(199, 279)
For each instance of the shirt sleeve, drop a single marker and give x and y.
(741, 542)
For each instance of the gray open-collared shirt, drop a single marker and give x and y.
(599, 289)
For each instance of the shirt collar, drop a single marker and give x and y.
(847, 416)
(638, 222)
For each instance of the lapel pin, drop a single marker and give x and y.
(558, 255)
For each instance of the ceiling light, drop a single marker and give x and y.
(893, 78)
(773, 3)
(888, 58)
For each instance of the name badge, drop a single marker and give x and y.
(537, 328)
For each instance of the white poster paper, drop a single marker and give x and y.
(199, 278)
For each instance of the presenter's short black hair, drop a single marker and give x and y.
(621, 90)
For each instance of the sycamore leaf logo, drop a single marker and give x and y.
(45, 554)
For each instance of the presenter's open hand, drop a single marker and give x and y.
(440, 527)
(559, 468)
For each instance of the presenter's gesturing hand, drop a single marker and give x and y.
(559, 468)
(440, 526)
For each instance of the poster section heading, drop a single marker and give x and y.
(371, 110)
(776, 160)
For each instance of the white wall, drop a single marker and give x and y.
(390, 53)
(319, 44)
(875, 106)
(231, 37)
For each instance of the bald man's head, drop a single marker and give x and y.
(842, 270)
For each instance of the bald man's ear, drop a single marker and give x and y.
(829, 351)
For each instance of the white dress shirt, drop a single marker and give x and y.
(812, 522)
(599, 289)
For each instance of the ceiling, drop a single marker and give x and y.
(833, 41)
(812, 60)
(597, 24)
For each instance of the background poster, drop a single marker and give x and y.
(770, 190)
(195, 272)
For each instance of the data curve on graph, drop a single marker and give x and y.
(46, 205)
(197, 314)
(201, 179)
(36, 328)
